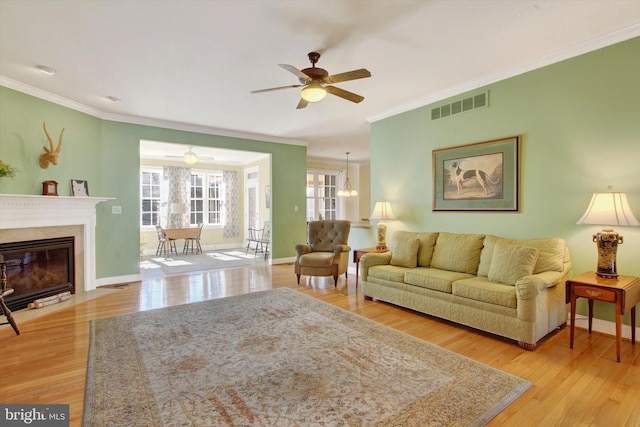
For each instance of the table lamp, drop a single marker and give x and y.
(382, 210)
(608, 209)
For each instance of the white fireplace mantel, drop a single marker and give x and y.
(25, 211)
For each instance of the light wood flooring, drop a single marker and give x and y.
(580, 387)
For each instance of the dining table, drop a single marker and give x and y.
(182, 233)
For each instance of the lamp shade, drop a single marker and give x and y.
(178, 208)
(609, 209)
(382, 210)
(190, 157)
(314, 92)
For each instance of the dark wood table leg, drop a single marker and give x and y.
(573, 320)
(618, 329)
(590, 314)
(633, 325)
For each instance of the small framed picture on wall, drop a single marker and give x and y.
(79, 188)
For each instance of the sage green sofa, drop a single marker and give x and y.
(511, 288)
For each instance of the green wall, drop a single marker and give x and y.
(106, 153)
(580, 125)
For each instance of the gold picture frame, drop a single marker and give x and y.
(483, 176)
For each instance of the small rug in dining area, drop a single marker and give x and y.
(280, 358)
(185, 263)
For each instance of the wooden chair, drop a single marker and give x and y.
(259, 239)
(163, 242)
(5, 291)
(189, 241)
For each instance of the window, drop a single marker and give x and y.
(206, 193)
(150, 180)
(322, 203)
(207, 197)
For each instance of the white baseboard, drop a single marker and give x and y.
(603, 326)
(116, 280)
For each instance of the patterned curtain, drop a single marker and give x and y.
(175, 195)
(231, 210)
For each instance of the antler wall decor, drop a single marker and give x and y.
(50, 155)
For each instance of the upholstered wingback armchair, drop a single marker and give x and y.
(326, 252)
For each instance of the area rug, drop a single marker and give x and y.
(280, 358)
(186, 263)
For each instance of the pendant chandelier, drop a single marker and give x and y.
(347, 190)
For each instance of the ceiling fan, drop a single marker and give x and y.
(190, 157)
(317, 82)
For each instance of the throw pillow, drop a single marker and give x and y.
(510, 263)
(427, 245)
(457, 252)
(405, 249)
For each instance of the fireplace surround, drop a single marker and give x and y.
(27, 217)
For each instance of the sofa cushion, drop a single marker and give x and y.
(391, 273)
(432, 278)
(427, 245)
(457, 252)
(511, 262)
(405, 249)
(481, 289)
(551, 253)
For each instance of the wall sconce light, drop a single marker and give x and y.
(608, 209)
(382, 210)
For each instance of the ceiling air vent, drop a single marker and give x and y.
(480, 100)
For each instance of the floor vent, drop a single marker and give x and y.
(480, 100)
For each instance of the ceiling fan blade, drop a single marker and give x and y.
(345, 94)
(349, 75)
(302, 104)
(275, 88)
(302, 76)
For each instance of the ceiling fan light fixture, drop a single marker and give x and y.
(314, 92)
(190, 157)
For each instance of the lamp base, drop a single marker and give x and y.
(381, 246)
(607, 241)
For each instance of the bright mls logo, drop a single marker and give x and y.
(34, 415)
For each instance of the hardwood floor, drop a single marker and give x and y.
(580, 387)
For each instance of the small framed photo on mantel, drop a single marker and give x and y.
(79, 188)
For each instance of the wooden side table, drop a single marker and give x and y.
(623, 291)
(358, 253)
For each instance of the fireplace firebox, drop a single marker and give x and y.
(46, 268)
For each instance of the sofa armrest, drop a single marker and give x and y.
(371, 259)
(302, 249)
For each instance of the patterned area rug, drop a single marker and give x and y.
(280, 358)
(186, 263)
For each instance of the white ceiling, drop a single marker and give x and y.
(192, 64)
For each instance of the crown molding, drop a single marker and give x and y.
(572, 51)
(123, 118)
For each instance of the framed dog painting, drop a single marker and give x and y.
(478, 177)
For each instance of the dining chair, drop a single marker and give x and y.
(189, 241)
(164, 241)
